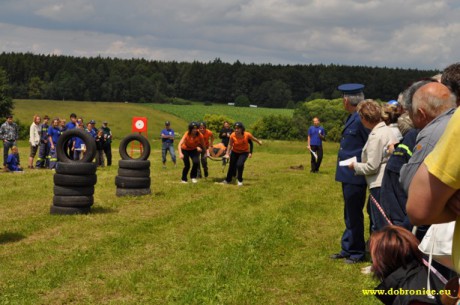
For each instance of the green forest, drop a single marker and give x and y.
(58, 77)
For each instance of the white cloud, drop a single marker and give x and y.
(412, 33)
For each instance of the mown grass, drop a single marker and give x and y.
(196, 112)
(119, 115)
(265, 243)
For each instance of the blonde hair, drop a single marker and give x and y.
(370, 110)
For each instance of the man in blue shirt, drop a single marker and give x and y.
(316, 135)
(71, 125)
(167, 139)
(53, 136)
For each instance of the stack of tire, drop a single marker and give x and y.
(74, 180)
(133, 173)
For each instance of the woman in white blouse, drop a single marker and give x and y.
(374, 157)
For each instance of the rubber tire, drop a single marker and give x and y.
(73, 201)
(124, 172)
(132, 182)
(74, 180)
(132, 192)
(134, 137)
(73, 190)
(66, 136)
(134, 164)
(76, 168)
(55, 210)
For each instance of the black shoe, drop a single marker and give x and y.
(352, 260)
(338, 256)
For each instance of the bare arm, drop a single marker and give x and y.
(256, 140)
(179, 148)
(427, 200)
(229, 148)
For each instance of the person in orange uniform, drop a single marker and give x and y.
(190, 147)
(208, 140)
(240, 151)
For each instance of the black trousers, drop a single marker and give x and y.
(316, 163)
(108, 153)
(236, 167)
(195, 156)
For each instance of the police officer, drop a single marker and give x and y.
(354, 137)
(44, 149)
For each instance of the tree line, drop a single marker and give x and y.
(139, 80)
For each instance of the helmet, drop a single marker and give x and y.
(238, 125)
(192, 125)
(167, 123)
(203, 124)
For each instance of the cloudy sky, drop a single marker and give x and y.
(422, 34)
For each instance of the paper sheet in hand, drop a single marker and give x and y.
(348, 161)
(314, 154)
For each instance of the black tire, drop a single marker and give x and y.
(132, 182)
(66, 136)
(73, 201)
(133, 192)
(55, 210)
(134, 164)
(124, 172)
(134, 137)
(73, 190)
(74, 180)
(76, 168)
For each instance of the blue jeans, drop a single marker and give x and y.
(165, 148)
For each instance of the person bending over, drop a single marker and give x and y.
(190, 147)
(240, 152)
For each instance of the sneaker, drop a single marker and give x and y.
(223, 182)
(194, 180)
(240, 183)
(183, 181)
(366, 270)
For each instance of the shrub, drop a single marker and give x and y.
(23, 130)
(276, 127)
(330, 112)
(242, 101)
(215, 122)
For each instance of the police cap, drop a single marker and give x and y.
(351, 88)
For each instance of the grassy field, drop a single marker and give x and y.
(267, 242)
(244, 114)
(119, 115)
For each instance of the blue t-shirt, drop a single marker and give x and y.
(92, 132)
(12, 162)
(78, 143)
(54, 132)
(167, 132)
(314, 132)
(70, 125)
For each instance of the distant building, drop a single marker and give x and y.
(253, 106)
(231, 104)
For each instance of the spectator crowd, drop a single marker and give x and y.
(43, 138)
